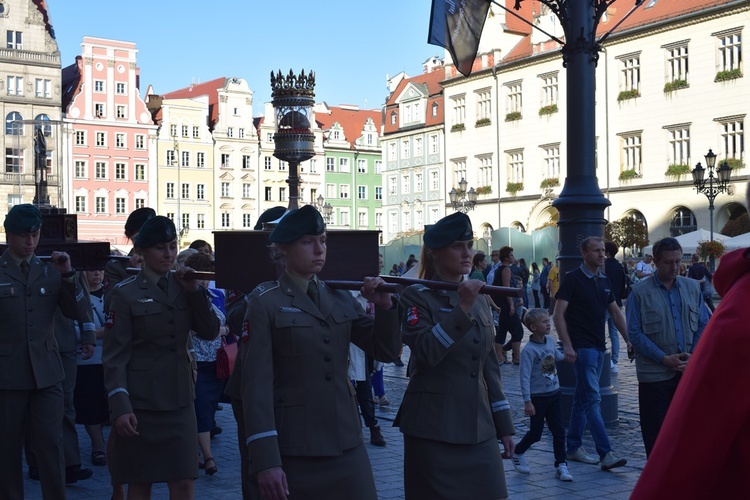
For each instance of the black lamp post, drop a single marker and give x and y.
(467, 201)
(713, 186)
(324, 208)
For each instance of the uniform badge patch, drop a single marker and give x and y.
(245, 336)
(412, 317)
(110, 319)
(231, 295)
(105, 282)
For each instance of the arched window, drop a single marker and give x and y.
(44, 122)
(683, 221)
(636, 215)
(13, 125)
(518, 227)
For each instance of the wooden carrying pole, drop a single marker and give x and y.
(394, 284)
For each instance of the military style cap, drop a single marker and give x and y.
(454, 227)
(269, 215)
(157, 229)
(24, 218)
(298, 223)
(136, 219)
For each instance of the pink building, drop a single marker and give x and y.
(110, 139)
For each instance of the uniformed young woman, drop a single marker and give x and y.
(454, 410)
(147, 370)
(304, 435)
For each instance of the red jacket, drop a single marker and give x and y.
(703, 449)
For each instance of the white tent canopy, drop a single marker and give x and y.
(689, 241)
(739, 241)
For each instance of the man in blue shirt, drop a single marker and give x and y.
(584, 297)
(666, 316)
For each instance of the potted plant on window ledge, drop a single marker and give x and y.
(550, 183)
(628, 175)
(514, 187)
(677, 170)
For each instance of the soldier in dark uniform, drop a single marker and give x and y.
(304, 432)
(454, 410)
(116, 270)
(147, 370)
(236, 305)
(31, 372)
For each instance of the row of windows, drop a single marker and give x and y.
(102, 171)
(344, 166)
(411, 113)
(100, 111)
(418, 182)
(413, 147)
(406, 219)
(42, 87)
(631, 157)
(14, 124)
(185, 131)
(676, 66)
(338, 217)
(100, 87)
(15, 159)
(102, 206)
(101, 139)
(342, 191)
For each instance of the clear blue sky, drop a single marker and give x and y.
(351, 45)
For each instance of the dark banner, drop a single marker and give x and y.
(456, 25)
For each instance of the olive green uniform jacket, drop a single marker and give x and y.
(455, 393)
(296, 392)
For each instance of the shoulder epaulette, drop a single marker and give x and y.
(265, 287)
(126, 281)
(422, 288)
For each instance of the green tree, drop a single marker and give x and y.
(627, 232)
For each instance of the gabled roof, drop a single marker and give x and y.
(71, 83)
(210, 88)
(352, 119)
(430, 84)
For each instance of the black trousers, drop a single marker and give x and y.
(364, 398)
(654, 399)
(547, 408)
(536, 298)
(545, 295)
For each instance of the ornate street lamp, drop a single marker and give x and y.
(467, 201)
(714, 185)
(293, 97)
(324, 208)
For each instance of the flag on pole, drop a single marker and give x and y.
(456, 25)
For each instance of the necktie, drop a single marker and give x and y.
(163, 284)
(312, 292)
(25, 268)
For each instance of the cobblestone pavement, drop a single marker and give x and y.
(589, 481)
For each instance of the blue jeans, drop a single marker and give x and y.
(614, 337)
(586, 402)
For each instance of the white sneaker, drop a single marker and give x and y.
(610, 461)
(581, 456)
(519, 462)
(563, 474)
(613, 367)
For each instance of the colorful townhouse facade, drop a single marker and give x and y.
(670, 86)
(413, 155)
(110, 140)
(353, 166)
(30, 93)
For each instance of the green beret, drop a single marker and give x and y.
(454, 227)
(136, 219)
(269, 215)
(298, 223)
(157, 229)
(24, 218)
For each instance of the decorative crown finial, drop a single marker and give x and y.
(292, 84)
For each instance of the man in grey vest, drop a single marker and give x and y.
(665, 316)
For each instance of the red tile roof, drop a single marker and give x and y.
(351, 119)
(210, 88)
(430, 84)
(649, 12)
(41, 5)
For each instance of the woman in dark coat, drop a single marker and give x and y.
(304, 435)
(147, 368)
(454, 410)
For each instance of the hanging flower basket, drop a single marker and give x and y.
(710, 249)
